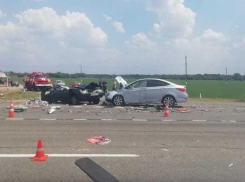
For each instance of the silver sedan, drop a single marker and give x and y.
(148, 91)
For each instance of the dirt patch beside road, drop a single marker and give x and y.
(15, 93)
(9, 89)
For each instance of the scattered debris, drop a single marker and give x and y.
(197, 140)
(183, 110)
(206, 110)
(70, 110)
(36, 107)
(231, 165)
(239, 110)
(77, 106)
(50, 111)
(19, 110)
(53, 109)
(99, 140)
(84, 104)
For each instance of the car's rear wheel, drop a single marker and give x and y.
(74, 100)
(168, 99)
(118, 100)
(96, 100)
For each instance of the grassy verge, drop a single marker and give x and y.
(19, 95)
(211, 100)
(211, 90)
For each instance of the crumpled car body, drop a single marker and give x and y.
(85, 92)
(149, 91)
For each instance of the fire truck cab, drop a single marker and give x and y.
(37, 81)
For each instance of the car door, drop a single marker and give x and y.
(59, 95)
(156, 89)
(134, 93)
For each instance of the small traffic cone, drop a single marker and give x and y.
(40, 155)
(166, 114)
(11, 111)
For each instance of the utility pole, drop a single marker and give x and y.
(81, 66)
(226, 75)
(186, 69)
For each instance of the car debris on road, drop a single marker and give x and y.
(99, 140)
(53, 109)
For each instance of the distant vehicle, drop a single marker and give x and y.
(85, 92)
(148, 91)
(74, 84)
(14, 84)
(37, 81)
(59, 82)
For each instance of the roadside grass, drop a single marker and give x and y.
(241, 98)
(19, 95)
(214, 90)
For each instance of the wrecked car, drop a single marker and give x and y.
(84, 92)
(147, 91)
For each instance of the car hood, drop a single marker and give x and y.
(119, 79)
(91, 86)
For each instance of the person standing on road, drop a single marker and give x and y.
(101, 83)
(114, 85)
(104, 85)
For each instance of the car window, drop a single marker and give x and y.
(156, 83)
(139, 84)
(40, 76)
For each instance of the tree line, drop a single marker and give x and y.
(236, 76)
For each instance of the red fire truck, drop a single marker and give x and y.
(37, 81)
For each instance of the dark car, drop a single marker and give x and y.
(14, 84)
(85, 92)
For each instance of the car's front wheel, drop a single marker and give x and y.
(96, 101)
(74, 100)
(118, 100)
(168, 99)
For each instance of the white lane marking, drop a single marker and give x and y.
(223, 121)
(68, 155)
(14, 118)
(168, 120)
(231, 165)
(165, 150)
(80, 119)
(46, 119)
(139, 119)
(233, 121)
(106, 119)
(118, 107)
(199, 120)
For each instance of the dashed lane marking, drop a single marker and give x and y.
(14, 118)
(80, 119)
(47, 119)
(199, 120)
(139, 119)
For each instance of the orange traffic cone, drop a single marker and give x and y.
(166, 114)
(11, 111)
(40, 155)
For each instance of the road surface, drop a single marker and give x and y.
(164, 150)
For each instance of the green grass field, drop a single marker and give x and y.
(209, 89)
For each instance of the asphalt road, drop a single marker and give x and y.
(222, 112)
(168, 151)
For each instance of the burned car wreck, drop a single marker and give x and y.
(85, 92)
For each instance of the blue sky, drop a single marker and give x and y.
(122, 36)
